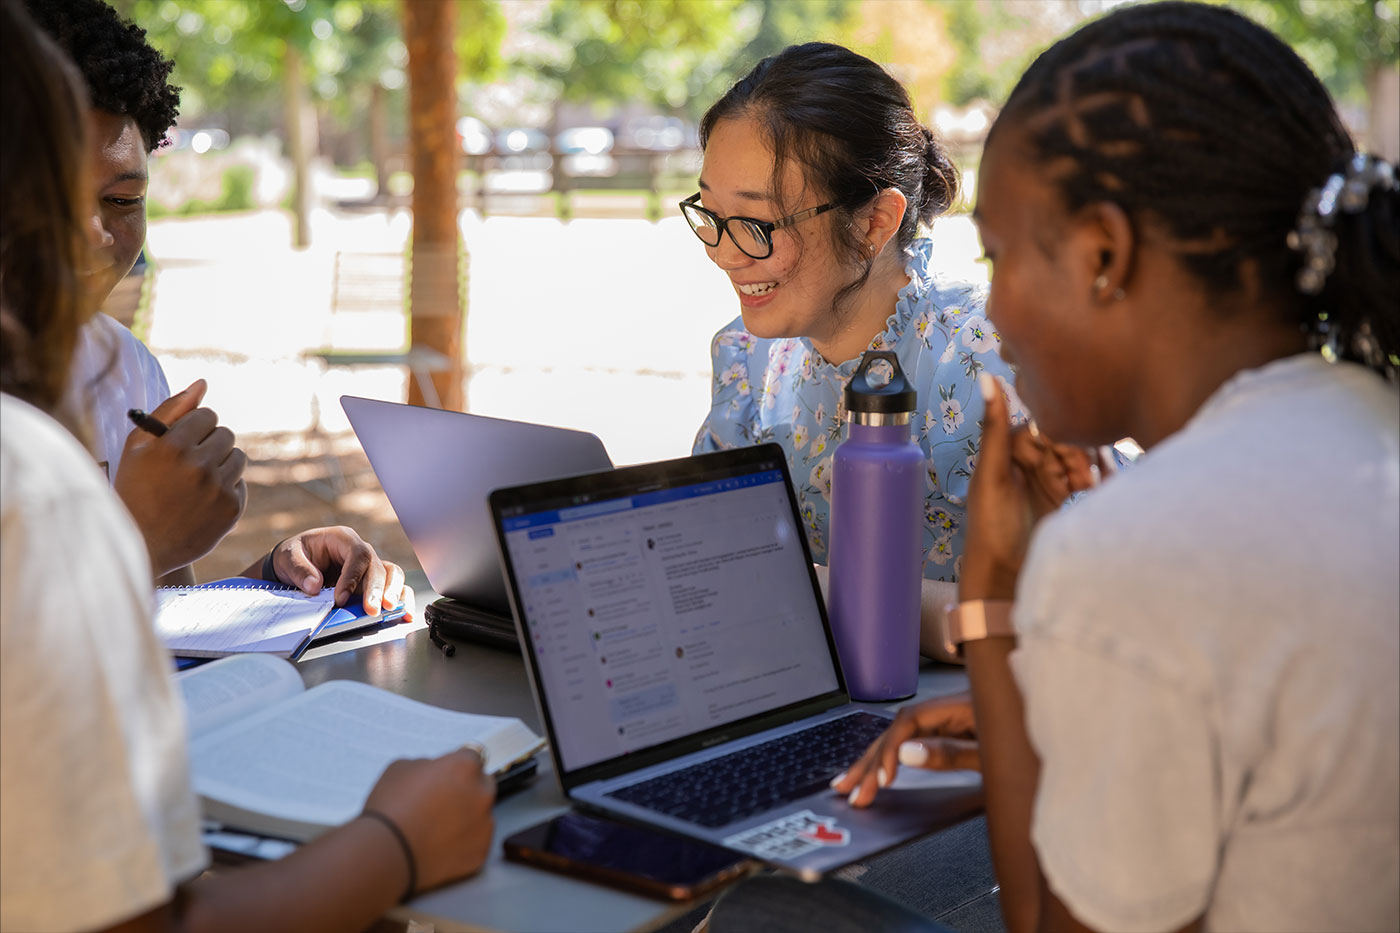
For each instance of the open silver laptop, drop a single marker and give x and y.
(437, 467)
(680, 654)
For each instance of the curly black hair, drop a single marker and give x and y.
(124, 73)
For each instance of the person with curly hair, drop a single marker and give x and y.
(185, 488)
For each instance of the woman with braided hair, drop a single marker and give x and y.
(1186, 688)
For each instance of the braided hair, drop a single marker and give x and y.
(852, 129)
(1204, 124)
(124, 74)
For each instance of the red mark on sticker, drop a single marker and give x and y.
(828, 836)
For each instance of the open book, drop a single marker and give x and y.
(238, 614)
(271, 757)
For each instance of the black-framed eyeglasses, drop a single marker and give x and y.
(753, 237)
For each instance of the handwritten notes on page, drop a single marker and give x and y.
(216, 620)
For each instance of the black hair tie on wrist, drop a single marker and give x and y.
(269, 572)
(407, 851)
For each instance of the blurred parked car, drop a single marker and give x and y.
(657, 133)
(585, 151)
(518, 139)
(201, 141)
(593, 140)
(473, 136)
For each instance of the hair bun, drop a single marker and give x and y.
(941, 181)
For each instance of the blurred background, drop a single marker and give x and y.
(550, 140)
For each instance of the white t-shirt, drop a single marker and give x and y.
(112, 372)
(1210, 663)
(98, 821)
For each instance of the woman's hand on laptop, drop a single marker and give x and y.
(938, 734)
(337, 555)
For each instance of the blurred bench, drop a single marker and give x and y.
(368, 326)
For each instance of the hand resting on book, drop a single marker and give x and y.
(337, 555)
(443, 807)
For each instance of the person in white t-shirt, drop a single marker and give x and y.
(98, 823)
(1186, 686)
(185, 490)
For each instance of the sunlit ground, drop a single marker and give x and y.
(597, 324)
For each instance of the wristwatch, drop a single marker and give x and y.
(976, 619)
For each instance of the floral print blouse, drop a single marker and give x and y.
(782, 390)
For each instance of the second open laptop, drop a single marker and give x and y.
(437, 467)
(680, 654)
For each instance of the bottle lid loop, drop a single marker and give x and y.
(867, 392)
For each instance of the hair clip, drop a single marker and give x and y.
(1348, 191)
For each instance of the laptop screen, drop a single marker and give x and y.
(677, 607)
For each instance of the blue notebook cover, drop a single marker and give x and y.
(338, 621)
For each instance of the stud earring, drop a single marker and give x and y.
(1100, 283)
(1119, 294)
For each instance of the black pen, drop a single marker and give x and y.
(152, 426)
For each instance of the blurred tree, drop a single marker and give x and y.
(1344, 42)
(910, 37)
(662, 51)
(435, 293)
(344, 55)
(995, 40)
(780, 23)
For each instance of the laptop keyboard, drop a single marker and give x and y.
(738, 785)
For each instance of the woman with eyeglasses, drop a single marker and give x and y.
(817, 177)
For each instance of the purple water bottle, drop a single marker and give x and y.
(876, 517)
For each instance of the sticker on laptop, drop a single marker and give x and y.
(790, 837)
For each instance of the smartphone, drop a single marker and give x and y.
(624, 855)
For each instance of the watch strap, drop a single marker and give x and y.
(976, 619)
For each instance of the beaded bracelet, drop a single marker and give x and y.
(407, 851)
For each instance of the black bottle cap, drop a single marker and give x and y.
(892, 397)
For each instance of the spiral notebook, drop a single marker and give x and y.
(240, 615)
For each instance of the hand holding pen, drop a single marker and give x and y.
(181, 478)
(151, 425)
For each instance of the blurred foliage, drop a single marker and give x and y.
(675, 55)
(1342, 40)
(678, 55)
(662, 51)
(227, 51)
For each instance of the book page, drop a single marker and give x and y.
(226, 690)
(210, 621)
(314, 758)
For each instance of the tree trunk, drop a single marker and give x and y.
(300, 120)
(436, 320)
(1383, 89)
(379, 142)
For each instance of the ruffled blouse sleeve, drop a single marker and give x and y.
(958, 345)
(733, 418)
